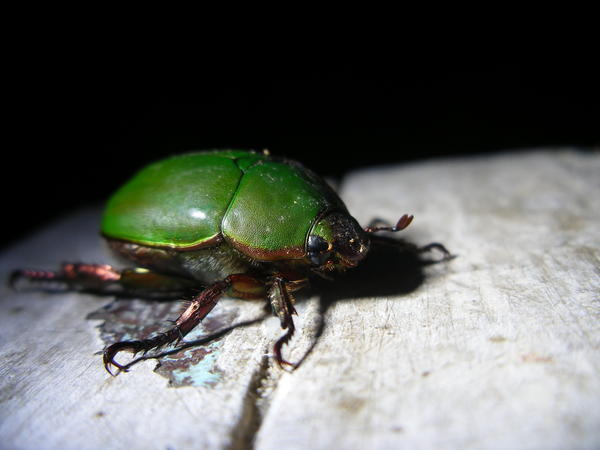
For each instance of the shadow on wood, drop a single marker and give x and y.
(393, 267)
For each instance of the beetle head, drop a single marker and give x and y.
(336, 241)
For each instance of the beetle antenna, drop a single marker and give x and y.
(403, 222)
(322, 274)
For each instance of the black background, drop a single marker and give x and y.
(78, 129)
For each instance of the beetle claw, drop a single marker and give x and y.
(282, 363)
(280, 343)
(110, 352)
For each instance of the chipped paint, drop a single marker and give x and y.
(126, 319)
(193, 367)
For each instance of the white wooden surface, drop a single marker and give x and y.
(498, 348)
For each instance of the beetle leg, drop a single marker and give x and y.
(446, 255)
(402, 223)
(105, 279)
(282, 302)
(197, 309)
(73, 274)
(409, 247)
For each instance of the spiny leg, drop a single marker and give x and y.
(105, 279)
(404, 246)
(198, 308)
(241, 285)
(94, 275)
(282, 302)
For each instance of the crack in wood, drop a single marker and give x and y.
(254, 407)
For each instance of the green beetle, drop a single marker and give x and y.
(240, 223)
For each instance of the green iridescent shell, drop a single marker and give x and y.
(263, 206)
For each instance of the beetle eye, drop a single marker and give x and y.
(318, 250)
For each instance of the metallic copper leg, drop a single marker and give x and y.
(81, 274)
(198, 308)
(284, 340)
(105, 279)
(282, 303)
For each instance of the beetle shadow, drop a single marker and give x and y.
(393, 267)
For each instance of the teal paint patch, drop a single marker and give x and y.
(202, 374)
(196, 369)
(194, 366)
(139, 319)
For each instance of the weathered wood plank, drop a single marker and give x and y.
(497, 348)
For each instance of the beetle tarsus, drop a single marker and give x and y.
(108, 355)
(33, 276)
(282, 302)
(74, 275)
(105, 279)
(197, 309)
(281, 342)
